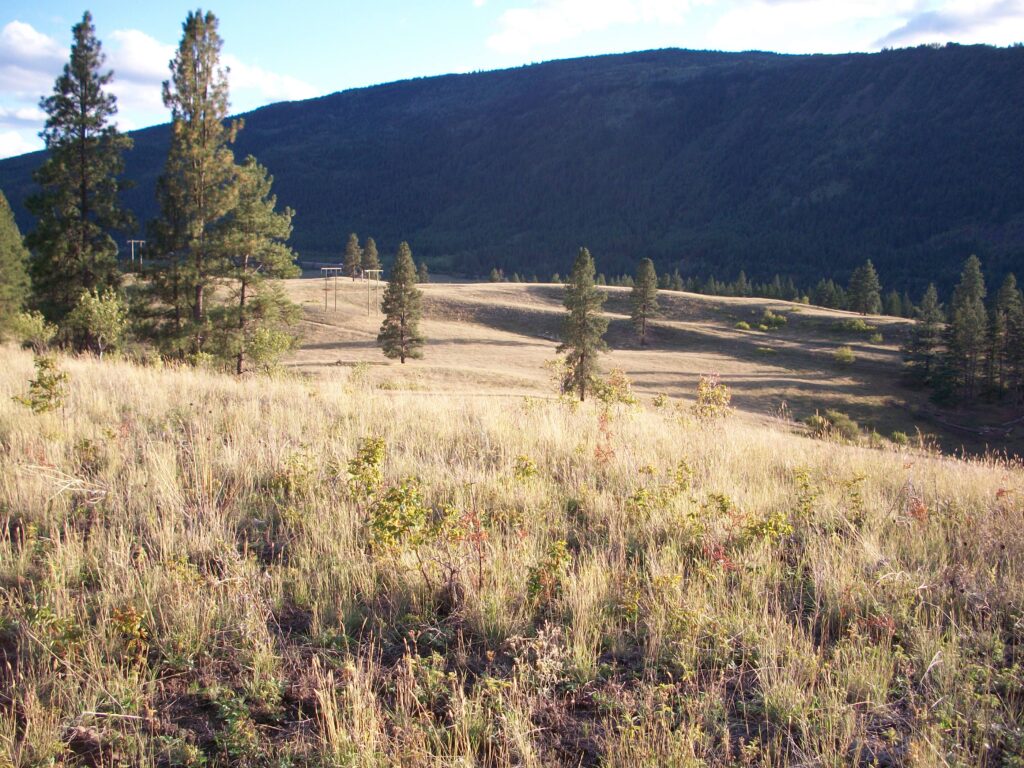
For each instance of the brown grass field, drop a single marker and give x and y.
(443, 564)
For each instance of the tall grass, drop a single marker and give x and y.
(188, 577)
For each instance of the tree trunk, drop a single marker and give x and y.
(241, 317)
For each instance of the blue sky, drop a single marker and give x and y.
(280, 51)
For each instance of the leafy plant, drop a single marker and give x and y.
(48, 391)
(713, 398)
(844, 355)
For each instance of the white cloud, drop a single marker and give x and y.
(17, 143)
(997, 22)
(267, 86)
(525, 29)
(21, 43)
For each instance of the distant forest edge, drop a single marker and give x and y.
(708, 163)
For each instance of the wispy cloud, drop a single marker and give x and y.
(998, 22)
(525, 29)
(30, 61)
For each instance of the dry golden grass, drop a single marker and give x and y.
(187, 577)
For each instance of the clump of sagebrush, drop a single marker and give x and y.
(200, 569)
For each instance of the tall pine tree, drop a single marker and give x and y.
(865, 292)
(252, 327)
(370, 258)
(967, 334)
(353, 256)
(585, 325)
(399, 334)
(921, 351)
(77, 210)
(14, 283)
(644, 298)
(1004, 335)
(198, 187)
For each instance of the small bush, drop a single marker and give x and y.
(855, 326)
(32, 330)
(902, 439)
(742, 325)
(876, 338)
(713, 398)
(772, 321)
(834, 424)
(844, 356)
(48, 390)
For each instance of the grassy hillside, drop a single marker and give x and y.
(200, 570)
(713, 162)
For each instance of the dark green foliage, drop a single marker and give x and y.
(353, 256)
(585, 324)
(1006, 338)
(967, 332)
(893, 305)
(712, 162)
(864, 293)
(399, 334)
(14, 285)
(423, 274)
(921, 351)
(252, 326)
(644, 298)
(77, 209)
(371, 260)
(495, 275)
(197, 190)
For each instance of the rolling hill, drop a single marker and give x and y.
(712, 162)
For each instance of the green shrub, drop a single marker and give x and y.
(48, 390)
(876, 338)
(772, 321)
(855, 326)
(742, 325)
(713, 398)
(98, 322)
(844, 355)
(834, 424)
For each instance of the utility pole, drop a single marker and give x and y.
(140, 243)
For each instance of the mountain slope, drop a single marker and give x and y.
(803, 165)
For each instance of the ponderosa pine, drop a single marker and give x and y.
(399, 334)
(77, 210)
(14, 284)
(584, 328)
(644, 298)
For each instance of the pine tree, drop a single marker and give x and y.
(77, 209)
(742, 284)
(644, 298)
(865, 291)
(893, 304)
(199, 185)
(968, 329)
(371, 260)
(14, 285)
(676, 282)
(252, 326)
(585, 324)
(423, 274)
(353, 256)
(921, 350)
(1003, 347)
(399, 334)
(907, 304)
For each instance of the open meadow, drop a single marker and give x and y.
(369, 567)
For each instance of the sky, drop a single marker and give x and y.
(283, 51)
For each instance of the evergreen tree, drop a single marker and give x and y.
(371, 260)
(252, 326)
(907, 304)
(423, 274)
(921, 350)
(14, 285)
(893, 304)
(865, 290)
(494, 276)
(1003, 346)
(353, 256)
(199, 185)
(644, 298)
(77, 209)
(742, 285)
(399, 334)
(676, 282)
(585, 324)
(968, 329)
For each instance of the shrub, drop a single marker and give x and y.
(772, 321)
(98, 322)
(32, 330)
(834, 424)
(49, 389)
(855, 326)
(876, 338)
(844, 355)
(544, 580)
(742, 325)
(713, 398)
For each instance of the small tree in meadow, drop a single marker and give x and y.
(99, 321)
(399, 334)
(583, 332)
(353, 256)
(371, 259)
(422, 273)
(644, 298)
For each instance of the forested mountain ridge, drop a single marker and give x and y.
(710, 162)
